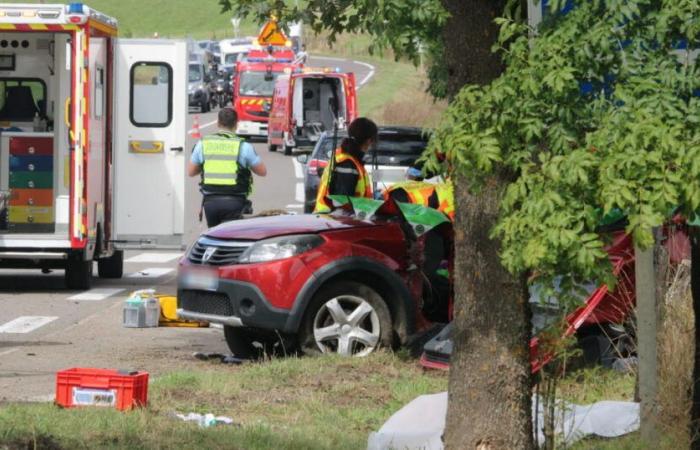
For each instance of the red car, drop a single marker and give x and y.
(323, 283)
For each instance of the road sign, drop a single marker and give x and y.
(271, 34)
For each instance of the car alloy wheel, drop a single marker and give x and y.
(347, 325)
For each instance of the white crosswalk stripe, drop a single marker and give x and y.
(26, 324)
(153, 258)
(152, 272)
(95, 295)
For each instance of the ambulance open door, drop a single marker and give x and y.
(150, 108)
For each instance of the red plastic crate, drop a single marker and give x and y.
(101, 387)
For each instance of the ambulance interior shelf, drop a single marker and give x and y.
(27, 182)
(315, 99)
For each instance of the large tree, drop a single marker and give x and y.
(489, 381)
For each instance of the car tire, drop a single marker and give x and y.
(272, 148)
(329, 326)
(78, 275)
(112, 267)
(252, 343)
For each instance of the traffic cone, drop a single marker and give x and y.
(196, 134)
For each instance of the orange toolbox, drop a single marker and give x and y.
(118, 389)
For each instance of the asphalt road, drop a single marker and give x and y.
(45, 328)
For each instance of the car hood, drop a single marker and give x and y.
(267, 227)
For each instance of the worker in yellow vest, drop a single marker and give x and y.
(347, 175)
(226, 163)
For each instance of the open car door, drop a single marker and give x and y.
(149, 142)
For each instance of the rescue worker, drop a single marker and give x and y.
(225, 162)
(348, 175)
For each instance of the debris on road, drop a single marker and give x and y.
(205, 420)
(225, 359)
(421, 423)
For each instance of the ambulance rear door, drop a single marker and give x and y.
(149, 142)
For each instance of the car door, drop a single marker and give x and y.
(149, 165)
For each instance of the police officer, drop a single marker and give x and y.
(348, 175)
(226, 162)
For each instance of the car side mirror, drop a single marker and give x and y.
(303, 158)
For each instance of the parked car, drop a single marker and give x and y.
(397, 149)
(198, 86)
(324, 283)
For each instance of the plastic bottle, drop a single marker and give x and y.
(43, 124)
(36, 122)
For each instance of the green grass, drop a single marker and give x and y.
(304, 403)
(200, 19)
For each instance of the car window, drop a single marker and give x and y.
(392, 149)
(195, 73)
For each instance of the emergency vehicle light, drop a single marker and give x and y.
(49, 14)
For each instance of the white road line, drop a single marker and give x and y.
(26, 324)
(7, 352)
(203, 126)
(295, 206)
(153, 272)
(329, 58)
(153, 257)
(298, 169)
(369, 75)
(299, 193)
(95, 295)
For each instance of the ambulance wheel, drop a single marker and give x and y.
(272, 148)
(78, 274)
(112, 267)
(288, 150)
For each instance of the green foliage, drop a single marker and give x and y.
(632, 143)
(407, 27)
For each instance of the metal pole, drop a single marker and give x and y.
(645, 280)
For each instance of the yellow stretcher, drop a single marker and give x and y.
(168, 314)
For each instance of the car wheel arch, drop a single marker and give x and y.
(385, 281)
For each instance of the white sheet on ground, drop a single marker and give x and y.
(420, 424)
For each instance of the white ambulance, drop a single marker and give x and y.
(92, 137)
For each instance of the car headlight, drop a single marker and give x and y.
(280, 248)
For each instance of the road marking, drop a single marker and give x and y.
(153, 257)
(201, 127)
(295, 206)
(369, 75)
(95, 295)
(298, 169)
(299, 193)
(153, 272)
(7, 352)
(26, 324)
(329, 58)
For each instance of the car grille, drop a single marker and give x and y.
(204, 302)
(225, 252)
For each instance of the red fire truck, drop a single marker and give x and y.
(307, 102)
(255, 76)
(92, 133)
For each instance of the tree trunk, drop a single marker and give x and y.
(695, 290)
(469, 35)
(489, 400)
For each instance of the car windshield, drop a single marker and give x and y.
(254, 84)
(203, 44)
(231, 58)
(393, 149)
(195, 73)
(216, 48)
